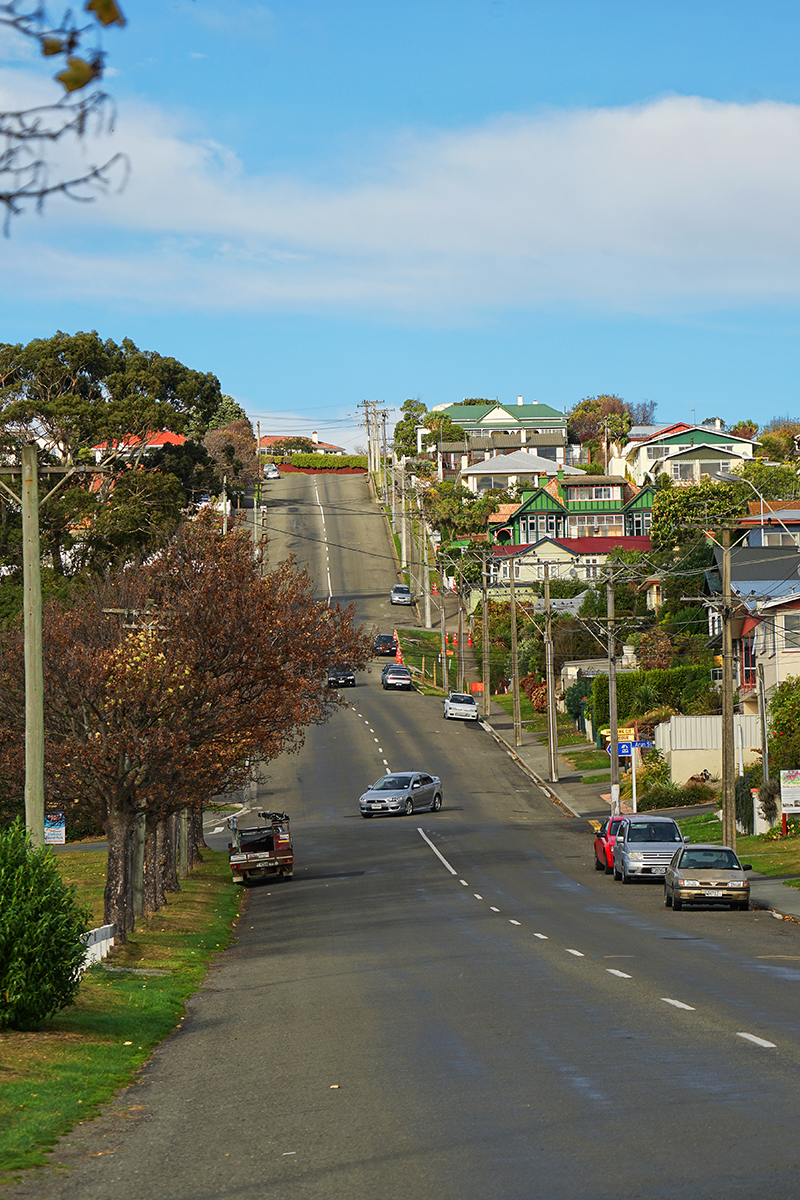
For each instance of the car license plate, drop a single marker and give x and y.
(714, 895)
(659, 870)
(378, 806)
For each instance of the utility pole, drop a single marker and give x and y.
(34, 684)
(426, 575)
(762, 712)
(460, 684)
(728, 794)
(515, 661)
(487, 679)
(445, 672)
(385, 414)
(224, 504)
(552, 724)
(612, 697)
(394, 491)
(403, 522)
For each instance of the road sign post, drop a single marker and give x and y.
(628, 750)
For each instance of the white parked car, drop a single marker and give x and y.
(271, 471)
(460, 706)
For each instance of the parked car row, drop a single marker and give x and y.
(645, 846)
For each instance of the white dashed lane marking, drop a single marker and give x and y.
(511, 922)
(464, 882)
(619, 974)
(542, 936)
(493, 909)
(577, 953)
(677, 1004)
(757, 1041)
(437, 852)
(477, 897)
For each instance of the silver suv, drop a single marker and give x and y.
(644, 847)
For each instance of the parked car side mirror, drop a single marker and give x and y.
(686, 841)
(747, 866)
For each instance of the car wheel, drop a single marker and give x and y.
(626, 877)
(444, 714)
(436, 803)
(667, 899)
(409, 808)
(617, 874)
(608, 870)
(366, 815)
(677, 904)
(744, 906)
(598, 866)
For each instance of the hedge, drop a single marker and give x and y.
(669, 683)
(328, 462)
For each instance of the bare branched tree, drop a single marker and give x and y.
(25, 172)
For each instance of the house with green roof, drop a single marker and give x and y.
(569, 506)
(499, 428)
(685, 453)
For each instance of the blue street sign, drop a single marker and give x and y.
(623, 748)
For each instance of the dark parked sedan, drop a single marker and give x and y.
(385, 644)
(341, 677)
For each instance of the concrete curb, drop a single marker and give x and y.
(542, 784)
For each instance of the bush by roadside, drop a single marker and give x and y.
(62, 1074)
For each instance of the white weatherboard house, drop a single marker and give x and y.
(508, 470)
(686, 453)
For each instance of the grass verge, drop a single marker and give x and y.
(536, 722)
(59, 1076)
(421, 649)
(778, 857)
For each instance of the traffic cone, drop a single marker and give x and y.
(455, 638)
(469, 639)
(435, 591)
(399, 655)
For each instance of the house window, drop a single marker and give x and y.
(683, 472)
(791, 631)
(596, 525)
(779, 539)
(711, 468)
(594, 493)
(656, 452)
(591, 568)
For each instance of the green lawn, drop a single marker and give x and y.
(60, 1075)
(536, 722)
(588, 760)
(421, 649)
(778, 857)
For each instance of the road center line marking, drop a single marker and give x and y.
(438, 853)
(619, 974)
(493, 909)
(751, 1037)
(577, 953)
(542, 936)
(677, 1004)
(477, 897)
(375, 739)
(463, 882)
(513, 922)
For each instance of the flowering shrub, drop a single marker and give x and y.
(792, 830)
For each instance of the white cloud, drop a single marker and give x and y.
(677, 202)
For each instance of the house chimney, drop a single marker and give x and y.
(717, 423)
(519, 399)
(315, 438)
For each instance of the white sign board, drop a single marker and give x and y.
(55, 829)
(790, 791)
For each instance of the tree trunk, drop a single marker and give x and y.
(169, 858)
(151, 866)
(196, 839)
(117, 909)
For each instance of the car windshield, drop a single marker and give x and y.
(390, 783)
(613, 827)
(709, 860)
(457, 698)
(647, 832)
(397, 671)
(401, 587)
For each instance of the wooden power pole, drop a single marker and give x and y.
(552, 723)
(34, 686)
(728, 792)
(612, 697)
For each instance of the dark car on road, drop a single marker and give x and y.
(341, 677)
(385, 643)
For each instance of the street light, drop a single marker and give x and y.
(730, 477)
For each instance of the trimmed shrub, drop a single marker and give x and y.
(659, 795)
(668, 685)
(41, 933)
(329, 462)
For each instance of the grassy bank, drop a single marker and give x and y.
(536, 722)
(780, 856)
(421, 649)
(53, 1079)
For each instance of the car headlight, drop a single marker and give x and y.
(736, 883)
(634, 854)
(688, 882)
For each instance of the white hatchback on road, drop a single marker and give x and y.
(460, 706)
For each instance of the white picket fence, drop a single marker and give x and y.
(98, 944)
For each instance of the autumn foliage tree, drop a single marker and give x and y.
(163, 684)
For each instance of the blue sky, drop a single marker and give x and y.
(332, 202)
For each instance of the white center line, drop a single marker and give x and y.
(619, 974)
(375, 740)
(477, 897)
(464, 882)
(751, 1037)
(438, 853)
(513, 922)
(542, 936)
(493, 909)
(677, 1004)
(577, 953)
(385, 763)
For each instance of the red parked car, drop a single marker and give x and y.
(604, 844)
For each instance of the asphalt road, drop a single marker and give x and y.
(492, 1020)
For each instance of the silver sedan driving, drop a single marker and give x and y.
(402, 793)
